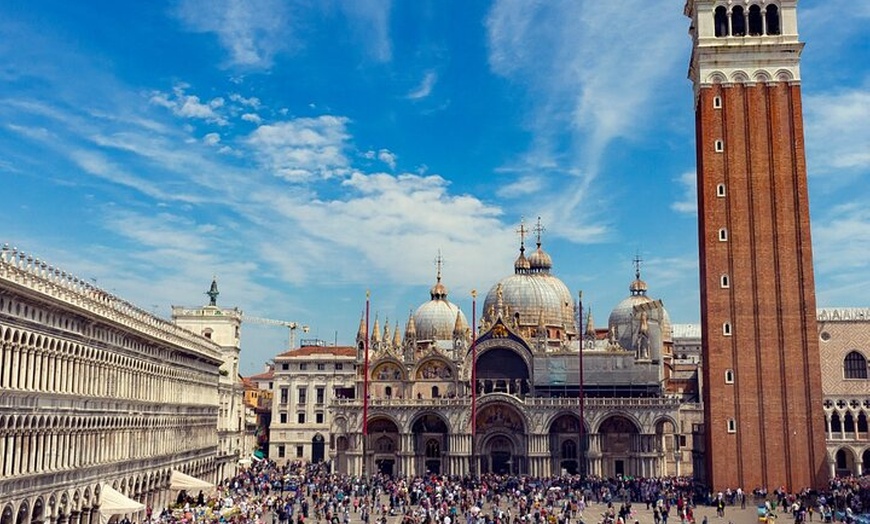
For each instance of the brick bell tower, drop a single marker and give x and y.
(762, 378)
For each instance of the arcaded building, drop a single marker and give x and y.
(526, 415)
(97, 395)
(844, 337)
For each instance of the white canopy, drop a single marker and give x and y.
(180, 481)
(113, 502)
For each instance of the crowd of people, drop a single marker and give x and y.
(298, 493)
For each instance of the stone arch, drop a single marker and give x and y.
(845, 461)
(434, 368)
(430, 432)
(618, 435)
(22, 516)
(502, 452)
(384, 437)
(503, 368)
(566, 447)
(388, 369)
(7, 516)
(38, 512)
(784, 75)
(762, 76)
(501, 416)
(739, 77)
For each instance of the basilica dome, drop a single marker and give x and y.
(622, 319)
(436, 319)
(532, 295)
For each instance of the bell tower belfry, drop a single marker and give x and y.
(761, 369)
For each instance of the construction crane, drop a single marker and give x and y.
(292, 326)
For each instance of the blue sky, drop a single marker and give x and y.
(304, 152)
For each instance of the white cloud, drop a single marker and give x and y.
(563, 54)
(300, 149)
(382, 215)
(252, 117)
(189, 106)
(252, 102)
(251, 31)
(98, 165)
(689, 199)
(370, 21)
(525, 185)
(838, 137)
(212, 139)
(387, 157)
(425, 88)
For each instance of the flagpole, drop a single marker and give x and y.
(473, 382)
(582, 464)
(365, 423)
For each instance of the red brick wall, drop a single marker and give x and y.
(770, 302)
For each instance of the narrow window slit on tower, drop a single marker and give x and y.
(717, 102)
(726, 329)
(723, 235)
(732, 426)
(720, 146)
(729, 376)
(720, 190)
(724, 281)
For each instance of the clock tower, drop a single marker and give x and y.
(761, 371)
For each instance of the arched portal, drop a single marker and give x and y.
(865, 462)
(618, 437)
(318, 448)
(430, 443)
(383, 441)
(502, 439)
(845, 462)
(501, 370)
(565, 444)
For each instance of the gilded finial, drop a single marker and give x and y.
(522, 231)
(539, 228)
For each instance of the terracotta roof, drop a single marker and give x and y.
(307, 351)
(268, 375)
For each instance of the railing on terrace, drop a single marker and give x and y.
(27, 271)
(601, 403)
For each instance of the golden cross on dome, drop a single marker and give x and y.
(439, 261)
(637, 261)
(522, 231)
(539, 228)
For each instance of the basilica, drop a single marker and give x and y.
(506, 395)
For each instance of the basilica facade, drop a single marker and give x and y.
(509, 399)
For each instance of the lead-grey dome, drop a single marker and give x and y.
(436, 319)
(532, 295)
(623, 317)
